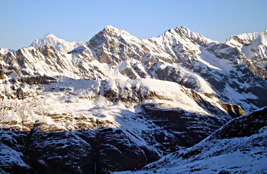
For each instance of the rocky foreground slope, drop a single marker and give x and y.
(119, 103)
(237, 147)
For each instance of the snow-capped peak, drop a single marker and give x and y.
(253, 45)
(253, 36)
(112, 33)
(246, 38)
(59, 44)
(110, 30)
(110, 27)
(3, 50)
(50, 35)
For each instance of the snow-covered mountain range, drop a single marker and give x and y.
(119, 103)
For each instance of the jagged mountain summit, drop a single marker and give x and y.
(59, 44)
(117, 94)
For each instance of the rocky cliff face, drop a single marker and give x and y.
(118, 103)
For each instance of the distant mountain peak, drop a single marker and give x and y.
(110, 27)
(111, 32)
(253, 45)
(183, 27)
(118, 31)
(59, 44)
(50, 35)
(3, 50)
(249, 37)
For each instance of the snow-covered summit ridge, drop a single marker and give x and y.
(109, 32)
(249, 37)
(59, 44)
(254, 48)
(3, 50)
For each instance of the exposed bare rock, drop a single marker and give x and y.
(2, 74)
(233, 110)
(37, 80)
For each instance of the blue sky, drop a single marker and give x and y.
(22, 21)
